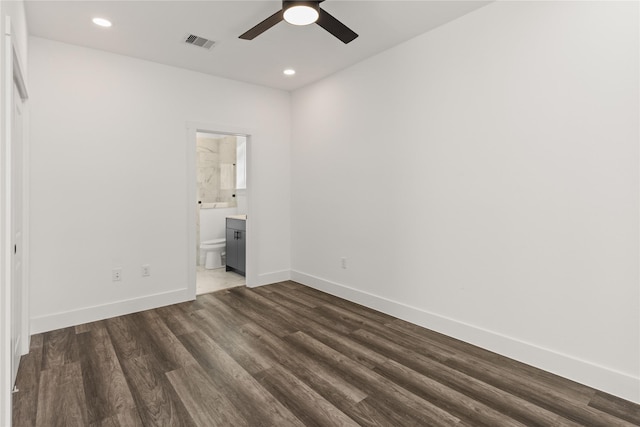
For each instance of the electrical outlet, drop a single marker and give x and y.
(146, 270)
(343, 262)
(116, 275)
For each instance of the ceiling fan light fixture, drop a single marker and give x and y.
(301, 12)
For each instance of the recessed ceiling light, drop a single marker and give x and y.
(289, 72)
(102, 22)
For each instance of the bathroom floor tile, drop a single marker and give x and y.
(216, 280)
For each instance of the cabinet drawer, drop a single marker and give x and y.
(236, 224)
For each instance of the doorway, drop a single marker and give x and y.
(221, 194)
(218, 192)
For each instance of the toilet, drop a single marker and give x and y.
(212, 252)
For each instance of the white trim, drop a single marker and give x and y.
(26, 230)
(602, 378)
(5, 232)
(65, 319)
(637, 399)
(273, 277)
(12, 74)
(19, 80)
(190, 202)
(252, 278)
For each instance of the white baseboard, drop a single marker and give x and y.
(590, 374)
(117, 308)
(274, 277)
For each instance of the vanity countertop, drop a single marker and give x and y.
(242, 217)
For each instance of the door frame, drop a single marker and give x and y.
(13, 73)
(191, 200)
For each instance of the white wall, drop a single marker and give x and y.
(109, 178)
(482, 180)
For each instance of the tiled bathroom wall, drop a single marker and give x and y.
(216, 169)
(216, 156)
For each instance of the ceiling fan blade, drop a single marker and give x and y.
(335, 27)
(263, 26)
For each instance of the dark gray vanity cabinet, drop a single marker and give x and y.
(236, 245)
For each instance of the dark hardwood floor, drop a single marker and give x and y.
(287, 355)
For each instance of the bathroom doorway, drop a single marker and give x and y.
(221, 194)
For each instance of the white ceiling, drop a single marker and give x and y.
(155, 30)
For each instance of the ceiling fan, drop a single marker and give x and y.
(303, 13)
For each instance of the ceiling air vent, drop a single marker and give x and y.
(199, 41)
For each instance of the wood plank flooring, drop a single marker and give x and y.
(287, 355)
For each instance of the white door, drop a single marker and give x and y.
(16, 233)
